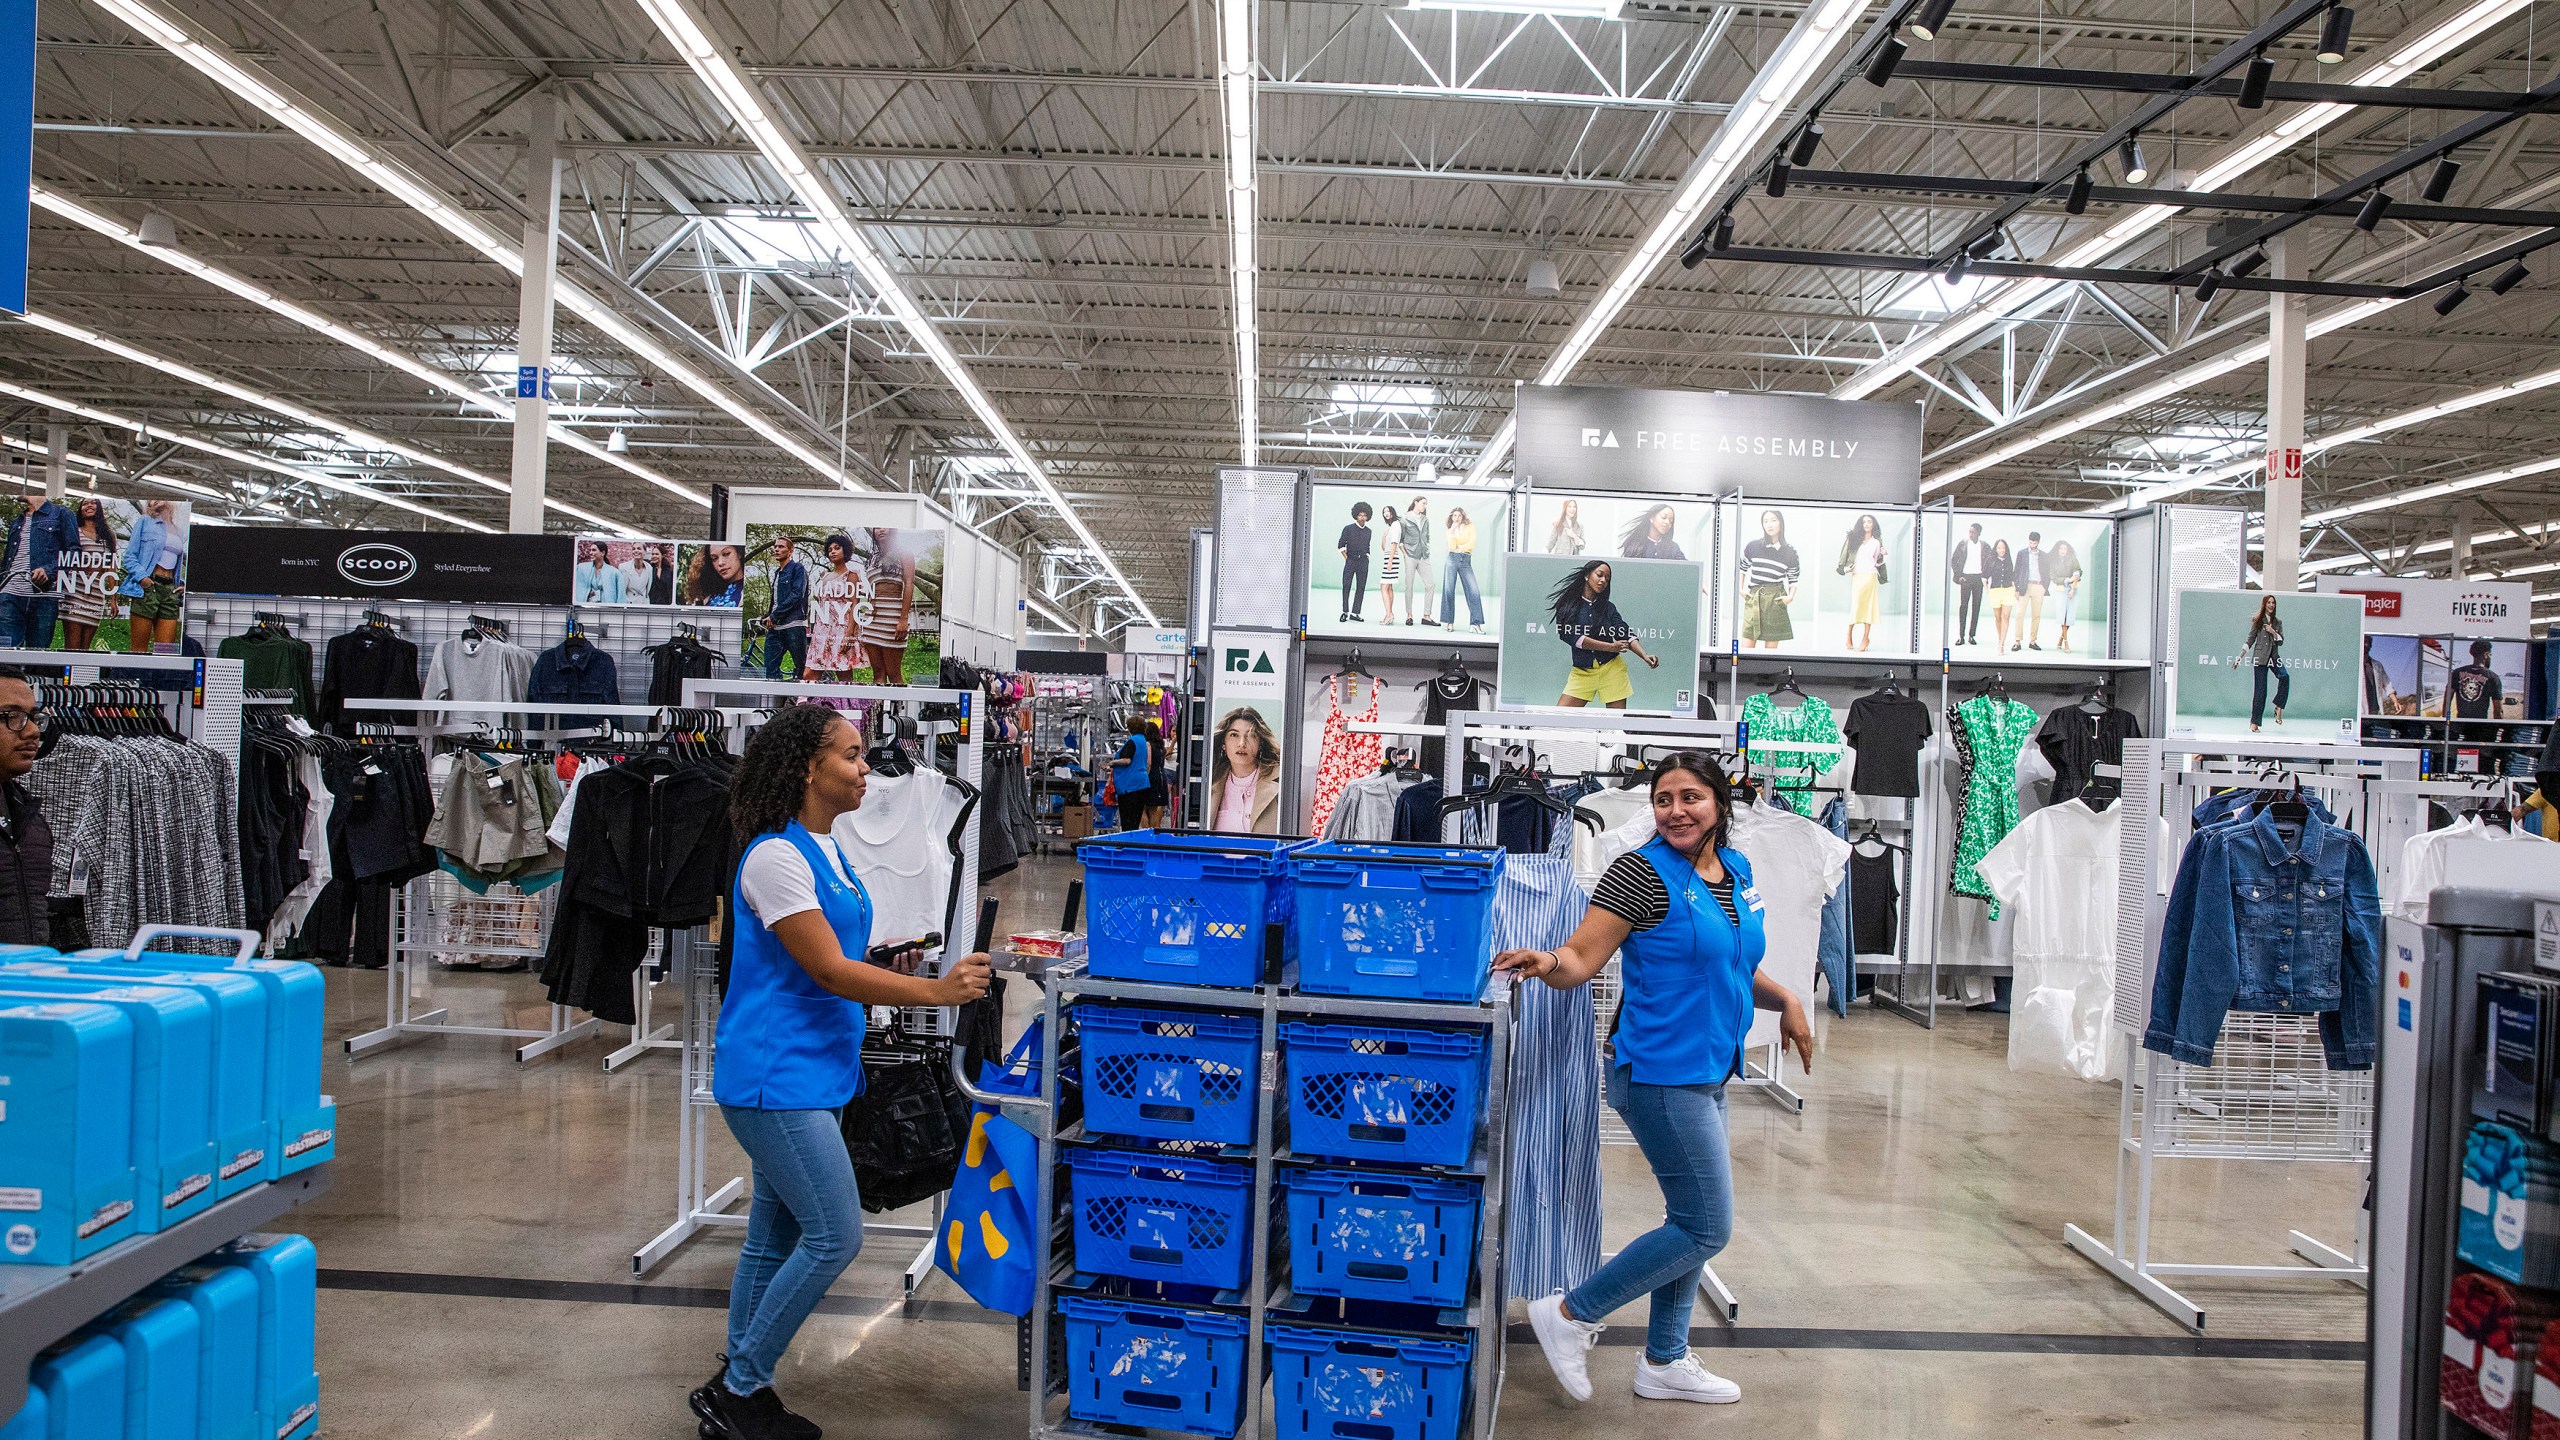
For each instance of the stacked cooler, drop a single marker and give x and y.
(1373, 1220)
(138, 1095)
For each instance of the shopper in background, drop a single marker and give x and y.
(1244, 778)
(1132, 773)
(1461, 574)
(155, 604)
(2065, 584)
(1682, 913)
(2265, 649)
(1159, 786)
(88, 575)
(1771, 570)
(1391, 563)
(1353, 544)
(1566, 536)
(1649, 538)
(1416, 536)
(26, 841)
(30, 596)
(789, 1048)
(1969, 564)
(1862, 560)
(786, 625)
(2000, 592)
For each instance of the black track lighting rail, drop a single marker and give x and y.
(2142, 82)
(1957, 185)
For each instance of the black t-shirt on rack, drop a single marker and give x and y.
(1874, 902)
(1887, 732)
(1444, 694)
(2076, 740)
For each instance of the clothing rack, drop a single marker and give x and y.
(700, 1204)
(2269, 1094)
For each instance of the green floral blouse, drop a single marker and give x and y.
(1989, 733)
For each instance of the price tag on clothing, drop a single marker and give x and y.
(2546, 934)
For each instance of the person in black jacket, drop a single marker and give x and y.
(26, 841)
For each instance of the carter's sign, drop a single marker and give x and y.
(1698, 442)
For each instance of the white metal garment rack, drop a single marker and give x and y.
(207, 711)
(701, 1204)
(414, 906)
(2269, 1094)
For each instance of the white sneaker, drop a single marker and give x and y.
(1684, 1379)
(1567, 1343)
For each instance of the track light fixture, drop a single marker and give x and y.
(1717, 236)
(1957, 266)
(2078, 203)
(2254, 82)
(1696, 251)
(1933, 15)
(1724, 231)
(1779, 169)
(1888, 55)
(1808, 141)
(2248, 264)
(2509, 278)
(2452, 299)
(2370, 214)
(2335, 32)
(2440, 180)
(2208, 285)
(2129, 154)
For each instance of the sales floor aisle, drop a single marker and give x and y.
(1899, 1254)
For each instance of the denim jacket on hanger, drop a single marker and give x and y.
(2257, 922)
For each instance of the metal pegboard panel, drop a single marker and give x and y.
(1257, 542)
(624, 632)
(2268, 1095)
(2137, 891)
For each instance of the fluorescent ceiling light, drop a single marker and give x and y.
(1236, 79)
(718, 69)
(2020, 298)
(460, 388)
(1361, 395)
(1561, 9)
(157, 479)
(321, 478)
(1797, 62)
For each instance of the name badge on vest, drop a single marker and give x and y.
(1751, 897)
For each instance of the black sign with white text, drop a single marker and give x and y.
(1700, 442)
(384, 564)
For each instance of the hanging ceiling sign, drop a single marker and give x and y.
(387, 565)
(1701, 442)
(2493, 609)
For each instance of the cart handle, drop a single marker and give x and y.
(247, 940)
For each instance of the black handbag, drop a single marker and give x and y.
(905, 1130)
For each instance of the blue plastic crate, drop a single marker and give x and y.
(1357, 1385)
(1405, 922)
(1365, 1235)
(1184, 909)
(1374, 1092)
(1170, 1218)
(1169, 1074)
(1153, 1365)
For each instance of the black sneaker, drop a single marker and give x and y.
(760, 1416)
(767, 1403)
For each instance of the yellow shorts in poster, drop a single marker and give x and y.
(1604, 684)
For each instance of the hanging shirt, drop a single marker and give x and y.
(899, 845)
(1796, 864)
(479, 667)
(2056, 876)
(1887, 731)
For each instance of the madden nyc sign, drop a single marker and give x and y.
(1696, 442)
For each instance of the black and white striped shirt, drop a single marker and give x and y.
(1632, 890)
(1766, 564)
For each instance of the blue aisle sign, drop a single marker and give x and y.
(17, 146)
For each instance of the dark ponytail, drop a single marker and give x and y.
(772, 779)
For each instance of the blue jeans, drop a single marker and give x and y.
(792, 641)
(1461, 571)
(27, 621)
(2258, 691)
(803, 1228)
(1681, 1130)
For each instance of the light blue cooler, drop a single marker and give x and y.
(66, 1134)
(287, 1270)
(173, 1156)
(243, 1125)
(162, 1343)
(83, 1385)
(29, 1422)
(225, 1299)
(297, 1000)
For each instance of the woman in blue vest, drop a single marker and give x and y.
(790, 1048)
(1683, 913)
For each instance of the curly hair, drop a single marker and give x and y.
(773, 777)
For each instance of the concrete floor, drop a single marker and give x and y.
(1899, 1259)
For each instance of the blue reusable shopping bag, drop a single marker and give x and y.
(987, 1223)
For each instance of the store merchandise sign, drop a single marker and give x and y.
(1249, 682)
(17, 146)
(2546, 934)
(2470, 609)
(386, 565)
(1135, 641)
(1697, 442)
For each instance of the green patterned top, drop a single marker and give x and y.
(1991, 732)
(1810, 723)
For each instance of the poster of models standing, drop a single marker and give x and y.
(610, 570)
(1412, 563)
(2027, 588)
(101, 574)
(1818, 579)
(862, 605)
(2284, 666)
(1600, 631)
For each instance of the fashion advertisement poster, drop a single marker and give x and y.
(1249, 729)
(2470, 679)
(860, 605)
(1601, 631)
(711, 573)
(614, 571)
(1411, 562)
(2287, 667)
(2392, 678)
(1818, 579)
(2022, 588)
(92, 572)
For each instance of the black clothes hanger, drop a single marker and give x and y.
(2100, 699)
(482, 627)
(1889, 685)
(1787, 685)
(1453, 672)
(1994, 684)
(1352, 666)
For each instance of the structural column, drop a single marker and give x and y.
(2280, 565)
(2462, 525)
(57, 461)
(533, 320)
